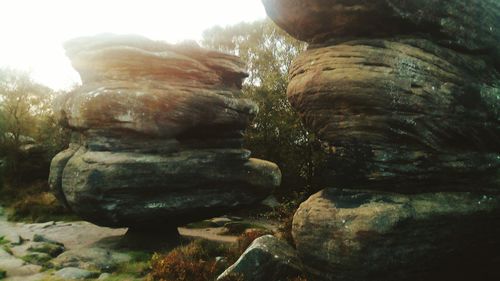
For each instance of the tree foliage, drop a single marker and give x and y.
(29, 133)
(277, 133)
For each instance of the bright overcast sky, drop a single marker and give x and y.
(32, 31)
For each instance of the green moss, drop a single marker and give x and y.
(48, 248)
(7, 249)
(3, 274)
(3, 240)
(41, 259)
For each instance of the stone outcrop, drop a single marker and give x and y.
(404, 93)
(353, 235)
(266, 259)
(405, 96)
(402, 114)
(158, 135)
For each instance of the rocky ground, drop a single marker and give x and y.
(75, 250)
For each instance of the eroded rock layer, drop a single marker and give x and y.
(405, 115)
(406, 97)
(352, 235)
(472, 26)
(158, 135)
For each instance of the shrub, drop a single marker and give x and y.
(242, 243)
(196, 261)
(34, 204)
(192, 262)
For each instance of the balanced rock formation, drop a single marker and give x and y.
(406, 93)
(158, 135)
(406, 97)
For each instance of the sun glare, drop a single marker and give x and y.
(33, 31)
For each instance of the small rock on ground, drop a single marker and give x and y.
(266, 259)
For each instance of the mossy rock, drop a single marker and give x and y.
(41, 259)
(51, 249)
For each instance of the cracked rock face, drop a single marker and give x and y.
(158, 135)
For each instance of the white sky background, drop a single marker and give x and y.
(32, 31)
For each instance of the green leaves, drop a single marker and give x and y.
(26, 118)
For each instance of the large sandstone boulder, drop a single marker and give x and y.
(467, 25)
(405, 115)
(146, 87)
(405, 95)
(352, 235)
(158, 135)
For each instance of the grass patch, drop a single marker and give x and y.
(137, 268)
(3, 274)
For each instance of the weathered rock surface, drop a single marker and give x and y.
(73, 273)
(352, 235)
(266, 259)
(147, 189)
(405, 115)
(473, 26)
(92, 259)
(15, 267)
(131, 83)
(51, 249)
(158, 135)
(405, 95)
